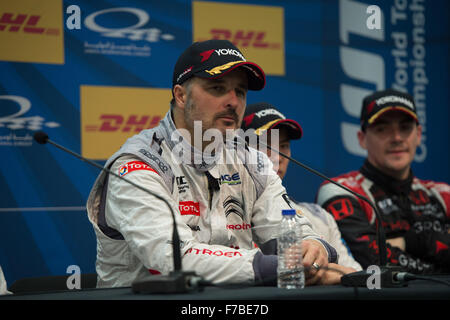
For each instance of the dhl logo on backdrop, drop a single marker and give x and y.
(32, 31)
(258, 31)
(111, 115)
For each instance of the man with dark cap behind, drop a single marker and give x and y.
(264, 119)
(221, 207)
(415, 212)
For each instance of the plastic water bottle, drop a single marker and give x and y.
(290, 267)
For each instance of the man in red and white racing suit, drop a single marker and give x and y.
(415, 213)
(222, 207)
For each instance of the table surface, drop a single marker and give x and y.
(416, 289)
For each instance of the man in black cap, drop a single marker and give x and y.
(221, 207)
(415, 213)
(264, 118)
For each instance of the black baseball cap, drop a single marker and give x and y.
(263, 116)
(379, 102)
(213, 59)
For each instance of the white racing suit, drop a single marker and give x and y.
(221, 210)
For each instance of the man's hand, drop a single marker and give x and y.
(334, 274)
(315, 261)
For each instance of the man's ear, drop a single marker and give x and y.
(419, 134)
(362, 139)
(179, 94)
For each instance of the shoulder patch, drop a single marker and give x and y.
(134, 166)
(155, 161)
(146, 147)
(159, 162)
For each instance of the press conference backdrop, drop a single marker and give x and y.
(93, 73)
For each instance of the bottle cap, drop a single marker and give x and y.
(288, 212)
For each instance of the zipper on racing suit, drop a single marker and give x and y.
(213, 184)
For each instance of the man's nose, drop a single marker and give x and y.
(232, 99)
(397, 134)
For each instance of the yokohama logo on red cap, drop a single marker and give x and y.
(134, 166)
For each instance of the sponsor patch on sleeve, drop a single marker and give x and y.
(134, 166)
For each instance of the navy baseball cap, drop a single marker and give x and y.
(379, 102)
(213, 59)
(263, 116)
